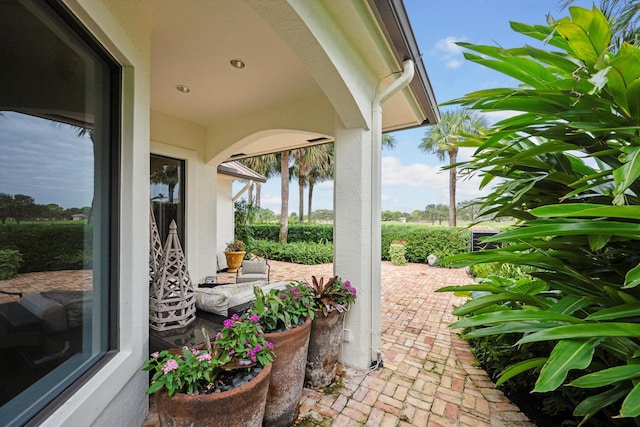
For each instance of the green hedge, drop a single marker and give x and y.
(307, 253)
(317, 233)
(421, 240)
(49, 246)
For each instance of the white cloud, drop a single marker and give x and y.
(454, 63)
(449, 52)
(448, 45)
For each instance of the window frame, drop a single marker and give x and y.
(71, 380)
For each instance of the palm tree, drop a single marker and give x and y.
(270, 165)
(167, 175)
(322, 171)
(388, 141)
(306, 160)
(442, 139)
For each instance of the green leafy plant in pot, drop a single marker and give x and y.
(332, 301)
(286, 318)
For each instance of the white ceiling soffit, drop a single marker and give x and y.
(192, 44)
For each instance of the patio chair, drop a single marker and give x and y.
(254, 269)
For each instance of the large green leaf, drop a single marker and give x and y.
(631, 404)
(617, 312)
(592, 404)
(513, 316)
(513, 327)
(519, 368)
(587, 210)
(487, 300)
(632, 279)
(566, 355)
(607, 376)
(611, 329)
(569, 228)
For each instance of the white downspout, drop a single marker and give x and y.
(376, 179)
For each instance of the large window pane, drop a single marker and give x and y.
(59, 145)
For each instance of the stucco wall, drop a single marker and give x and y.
(182, 140)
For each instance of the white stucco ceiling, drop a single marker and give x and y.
(192, 44)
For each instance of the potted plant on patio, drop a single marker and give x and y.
(234, 252)
(224, 382)
(286, 319)
(332, 301)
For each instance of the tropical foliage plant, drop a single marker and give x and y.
(333, 295)
(281, 310)
(567, 166)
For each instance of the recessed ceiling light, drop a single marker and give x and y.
(183, 88)
(237, 63)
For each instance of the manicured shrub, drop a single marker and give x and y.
(397, 252)
(49, 246)
(299, 252)
(10, 262)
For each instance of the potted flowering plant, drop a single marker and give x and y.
(234, 252)
(333, 299)
(286, 317)
(226, 379)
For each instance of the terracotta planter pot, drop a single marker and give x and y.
(287, 375)
(234, 260)
(324, 348)
(242, 406)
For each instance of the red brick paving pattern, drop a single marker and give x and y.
(429, 376)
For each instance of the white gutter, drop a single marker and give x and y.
(376, 179)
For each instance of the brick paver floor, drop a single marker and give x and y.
(429, 376)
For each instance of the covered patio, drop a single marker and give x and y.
(429, 376)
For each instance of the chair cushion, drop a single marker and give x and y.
(254, 266)
(218, 299)
(52, 313)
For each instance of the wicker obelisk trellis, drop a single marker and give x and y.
(172, 301)
(155, 250)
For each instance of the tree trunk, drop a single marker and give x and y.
(284, 196)
(258, 194)
(301, 197)
(310, 199)
(250, 193)
(453, 154)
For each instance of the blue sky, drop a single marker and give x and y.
(412, 179)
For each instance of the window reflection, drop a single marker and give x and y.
(56, 151)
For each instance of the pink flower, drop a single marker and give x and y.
(155, 354)
(195, 351)
(232, 352)
(235, 316)
(204, 357)
(269, 345)
(254, 318)
(257, 348)
(219, 335)
(228, 323)
(171, 365)
(283, 297)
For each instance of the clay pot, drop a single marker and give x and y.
(234, 260)
(287, 375)
(324, 348)
(241, 406)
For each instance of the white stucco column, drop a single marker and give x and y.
(357, 240)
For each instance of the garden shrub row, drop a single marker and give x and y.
(421, 241)
(317, 233)
(49, 246)
(308, 253)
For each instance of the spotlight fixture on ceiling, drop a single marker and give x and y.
(237, 63)
(183, 88)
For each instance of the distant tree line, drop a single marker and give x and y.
(21, 207)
